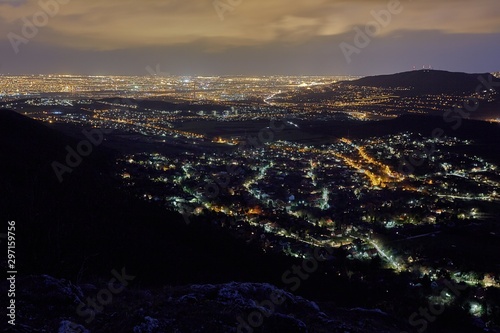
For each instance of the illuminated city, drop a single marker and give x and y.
(255, 157)
(230, 166)
(285, 192)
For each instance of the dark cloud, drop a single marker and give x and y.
(255, 37)
(14, 3)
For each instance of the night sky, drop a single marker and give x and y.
(248, 37)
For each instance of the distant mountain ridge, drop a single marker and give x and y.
(429, 81)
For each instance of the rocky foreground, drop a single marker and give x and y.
(47, 304)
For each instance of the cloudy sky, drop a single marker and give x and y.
(256, 37)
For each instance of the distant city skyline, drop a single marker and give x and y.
(237, 37)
